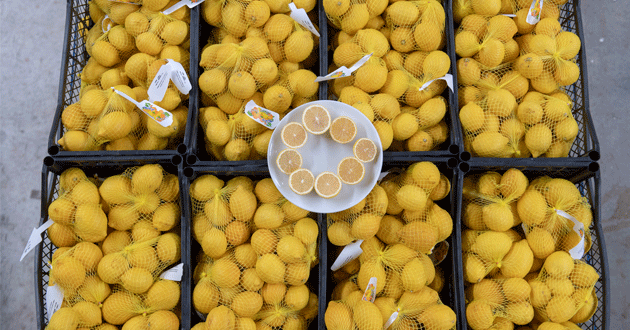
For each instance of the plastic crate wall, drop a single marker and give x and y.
(587, 178)
(586, 145)
(317, 278)
(74, 58)
(51, 170)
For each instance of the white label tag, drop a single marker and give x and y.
(54, 299)
(105, 27)
(370, 291)
(349, 253)
(35, 238)
(174, 274)
(576, 252)
(391, 319)
(182, 3)
(175, 72)
(343, 71)
(159, 85)
(509, 15)
(533, 15)
(299, 15)
(179, 77)
(381, 176)
(127, 1)
(154, 111)
(448, 78)
(439, 252)
(261, 115)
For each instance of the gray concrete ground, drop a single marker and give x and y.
(31, 40)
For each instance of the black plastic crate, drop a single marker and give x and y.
(197, 153)
(587, 178)
(586, 145)
(451, 265)
(316, 282)
(74, 59)
(454, 143)
(51, 170)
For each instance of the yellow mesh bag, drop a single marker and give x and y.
(73, 270)
(71, 318)
(412, 217)
(548, 57)
(286, 254)
(77, 213)
(143, 199)
(353, 15)
(492, 252)
(116, 11)
(113, 47)
(294, 309)
(488, 40)
(361, 221)
(416, 25)
(222, 214)
(137, 266)
(563, 290)
(550, 9)
(542, 208)
(158, 306)
(499, 302)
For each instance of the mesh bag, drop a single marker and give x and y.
(144, 199)
(113, 47)
(413, 219)
(153, 31)
(490, 203)
(499, 302)
(74, 268)
(548, 57)
(159, 306)
(137, 266)
(491, 252)
(294, 309)
(353, 15)
(421, 309)
(77, 212)
(222, 215)
(488, 40)
(362, 221)
(563, 290)
(286, 254)
(541, 209)
(416, 25)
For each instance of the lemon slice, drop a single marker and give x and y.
(364, 150)
(289, 160)
(327, 185)
(350, 170)
(294, 135)
(301, 181)
(316, 119)
(343, 129)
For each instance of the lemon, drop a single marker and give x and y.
(355, 18)
(538, 139)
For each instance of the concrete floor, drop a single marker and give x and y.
(31, 40)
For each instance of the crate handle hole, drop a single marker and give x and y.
(464, 167)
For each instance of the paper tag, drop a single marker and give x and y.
(576, 252)
(509, 15)
(54, 299)
(35, 238)
(349, 253)
(109, 24)
(343, 71)
(154, 111)
(299, 15)
(370, 291)
(448, 78)
(533, 15)
(170, 71)
(391, 319)
(381, 176)
(182, 3)
(439, 252)
(179, 77)
(174, 274)
(261, 115)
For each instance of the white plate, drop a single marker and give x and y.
(320, 153)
